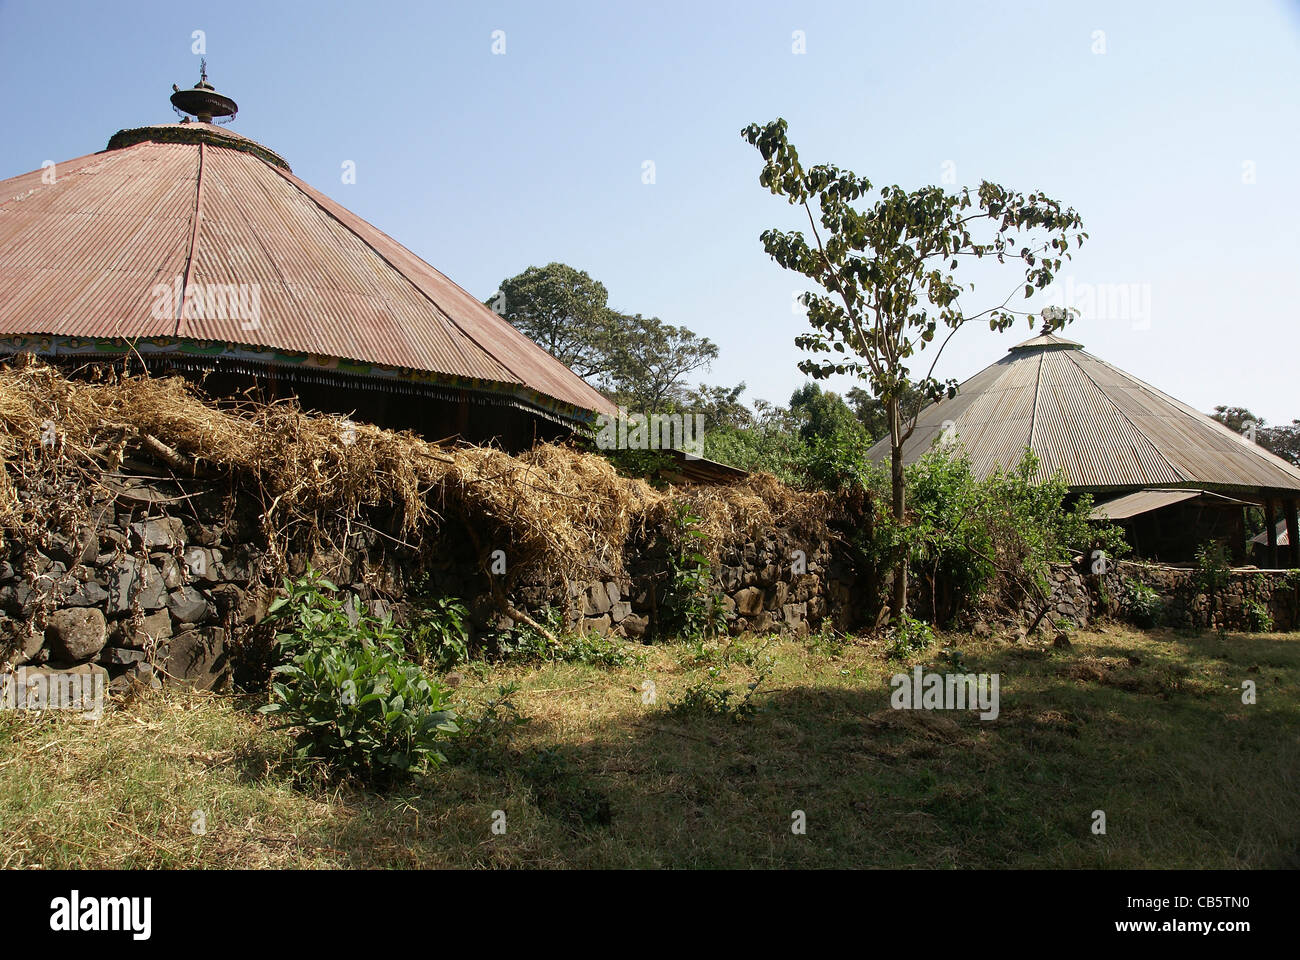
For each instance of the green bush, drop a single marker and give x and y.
(522, 644)
(486, 737)
(1212, 567)
(359, 705)
(439, 633)
(839, 462)
(952, 660)
(596, 651)
(722, 653)
(691, 607)
(767, 449)
(711, 698)
(1213, 571)
(965, 537)
(1258, 619)
(641, 464)
(907, 636)
(818, 444)
(1144, 606)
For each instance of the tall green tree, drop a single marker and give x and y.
(567, 313)
(1284, 441)
(1236, 419)
(649, 367)
(888, 280)
(643, 361)
(824, 414)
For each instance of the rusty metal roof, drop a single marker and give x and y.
(1103, 428)
(85, 245)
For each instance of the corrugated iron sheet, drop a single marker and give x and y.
(1279, 531)
(82, 256)
(1144, 501)
(1100, 426)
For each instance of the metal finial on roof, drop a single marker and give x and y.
(203, 101)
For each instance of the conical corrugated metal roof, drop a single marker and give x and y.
(85, 245)
(1100, 426)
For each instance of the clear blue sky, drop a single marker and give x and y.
(484, 164)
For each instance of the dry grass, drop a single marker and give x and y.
(314, 474)
(1152, 730)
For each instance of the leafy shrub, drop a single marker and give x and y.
(1212, 567)
(826, 642)
(594, 650)
(714, 653)
(522, 643)
(1144, 606)
(486, 736)
(641, 464)
(439, 633)
(708, 697)
(359, 705)
(966, 538)
(907, 636)
(952, 660)
(818, 442)
(1212, 573)
(839, 462)
(691, 608)
(1258, 619)
(767, 448)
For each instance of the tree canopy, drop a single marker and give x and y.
(1284, 441)
(567, 313)
(642, 361)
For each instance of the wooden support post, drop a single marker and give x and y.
(1292, 534)
(1270, 522)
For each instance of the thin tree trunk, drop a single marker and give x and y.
(898, 504)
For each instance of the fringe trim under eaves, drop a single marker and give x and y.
(169, 353)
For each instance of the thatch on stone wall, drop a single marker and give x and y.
(313, 475)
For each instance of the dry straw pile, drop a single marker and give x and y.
(313, 475)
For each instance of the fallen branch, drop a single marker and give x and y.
(169, 456)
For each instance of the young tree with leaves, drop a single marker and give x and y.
(871, 412)
(888, 276)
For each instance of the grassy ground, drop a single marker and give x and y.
(1148, 727)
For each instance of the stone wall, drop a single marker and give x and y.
(159, 591)
(1187, 604)
(1072, 598)
(1184, 602)
(781, 583)
(146, 598)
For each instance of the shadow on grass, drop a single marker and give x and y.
(1153, 733)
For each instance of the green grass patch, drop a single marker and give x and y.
(590, 765)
